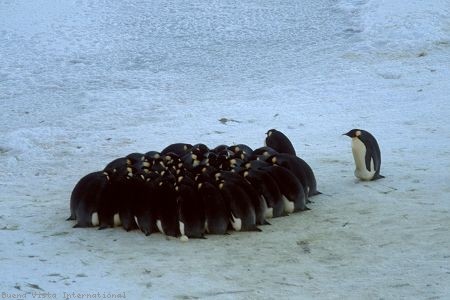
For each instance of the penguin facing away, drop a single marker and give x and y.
(366, 154)
(279, 141)
(88, 197)
(217, 211)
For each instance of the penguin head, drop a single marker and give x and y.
(200, 150)
(354, 133)
(152, 154)
(269, 132)
(133, 158)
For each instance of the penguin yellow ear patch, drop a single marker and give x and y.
(358, 133)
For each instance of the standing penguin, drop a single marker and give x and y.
(366, 153)
(217, 211)
(191, 212)
(91, 198)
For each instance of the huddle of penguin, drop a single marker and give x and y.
(188, 191)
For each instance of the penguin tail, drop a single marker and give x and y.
(71, 218)
(315, 193)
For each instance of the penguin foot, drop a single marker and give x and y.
(255, 229)
(104, 226)
(378, 177)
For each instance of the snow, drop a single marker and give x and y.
(82, 83)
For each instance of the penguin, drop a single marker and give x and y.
(280, 142)
(166, 207)
(143, 205)
(214, 159)
(366, 154)
(112, 166)
(289, 185)
(190, 162)
(88, 195)
(243, 216)
(246, 150)
(220, 148)
(217, 211)
(267, 187)
(263, 151)
(200, 150)
(258, 203)
(300, 168)
(191, 214)
(123, 188)
(152, 155)
(179, 149)
(134, 158)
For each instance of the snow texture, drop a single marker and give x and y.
(84, 82)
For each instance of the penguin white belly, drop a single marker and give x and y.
(206, 226)
(268, 211)
(137, 222)
(159, 225)
(117, 221)
(288, 205)
(359, 154)
(181, 227)
(94, 219)
(183, 236)
(236, 223)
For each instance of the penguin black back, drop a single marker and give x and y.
(87, 197)
(217, 211)
(300, 168)
(179, 149)
(279, 141)
(191, 214)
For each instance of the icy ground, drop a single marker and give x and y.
(84, 82)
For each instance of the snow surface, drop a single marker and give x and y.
(84, 82)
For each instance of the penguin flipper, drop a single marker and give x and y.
(369, 157)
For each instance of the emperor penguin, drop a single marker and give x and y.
(366, 153)
(279, 141)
